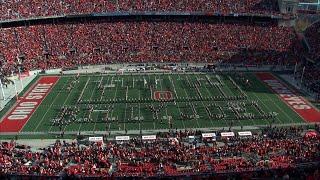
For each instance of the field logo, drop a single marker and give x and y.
(162, 95)
(23, 110)
(290, 97)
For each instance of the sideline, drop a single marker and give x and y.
(297, 103)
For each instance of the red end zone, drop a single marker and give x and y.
(25, 107)
(299, 104)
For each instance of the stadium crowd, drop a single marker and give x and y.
(309, 70)
(312, 35)
(171, 154)
(68, 45)
(310, 77)
(18, 9)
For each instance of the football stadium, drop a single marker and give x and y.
(160, 89)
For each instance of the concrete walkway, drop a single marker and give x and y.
(10, 91)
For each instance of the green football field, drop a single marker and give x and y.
(97, 103)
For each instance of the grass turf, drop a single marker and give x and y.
(123, 102)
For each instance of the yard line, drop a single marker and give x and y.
(122, 83)
(237, 86)
(100, 83)
(219, 85)
(196, 87)
(112, 112)
(127, 89)
(168, 117)
(111, 80)
(68, 98)
(177, 105)
(167, 106)
(84, 115)
(211, 85)
(154, 126)
(50, 108)
(290, 118)
(151, 95)
(232, 94)
(103, 90)
(190, 102)
(205, 108)
(259, 99)
(174, 87)
(139, 114)
(179, 112)
(133, 82)
(214, 85)
(95, 122)
(219, 79)
(269, 98)
(229, 90)
(109, 126)
(85, 86)
(125, 115)
(125, 112)
(115, 93)
(220, 110)
(265, 106)
(94, 89)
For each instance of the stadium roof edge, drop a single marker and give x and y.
(123, 15)
(148, 13)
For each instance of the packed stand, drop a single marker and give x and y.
(310, 77)
(54, 160)
(223, 7)
(68, 45)
(312, 35)
(171, 154)
(17, 9)
(311, 72)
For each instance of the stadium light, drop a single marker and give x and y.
(19, 65)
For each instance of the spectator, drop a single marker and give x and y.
(164, 156)
(68, 45)
(18, 9)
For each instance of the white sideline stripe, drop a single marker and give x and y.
(263, 102)
(188, 97)
(54, 100)
(34, 130)
(89, 99)
(209, 109)
(29, 90)
(278, 96)
(64, 102)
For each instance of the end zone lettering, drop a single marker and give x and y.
(295, 101)
(39, 91)
(300, 105)
(23, 110)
